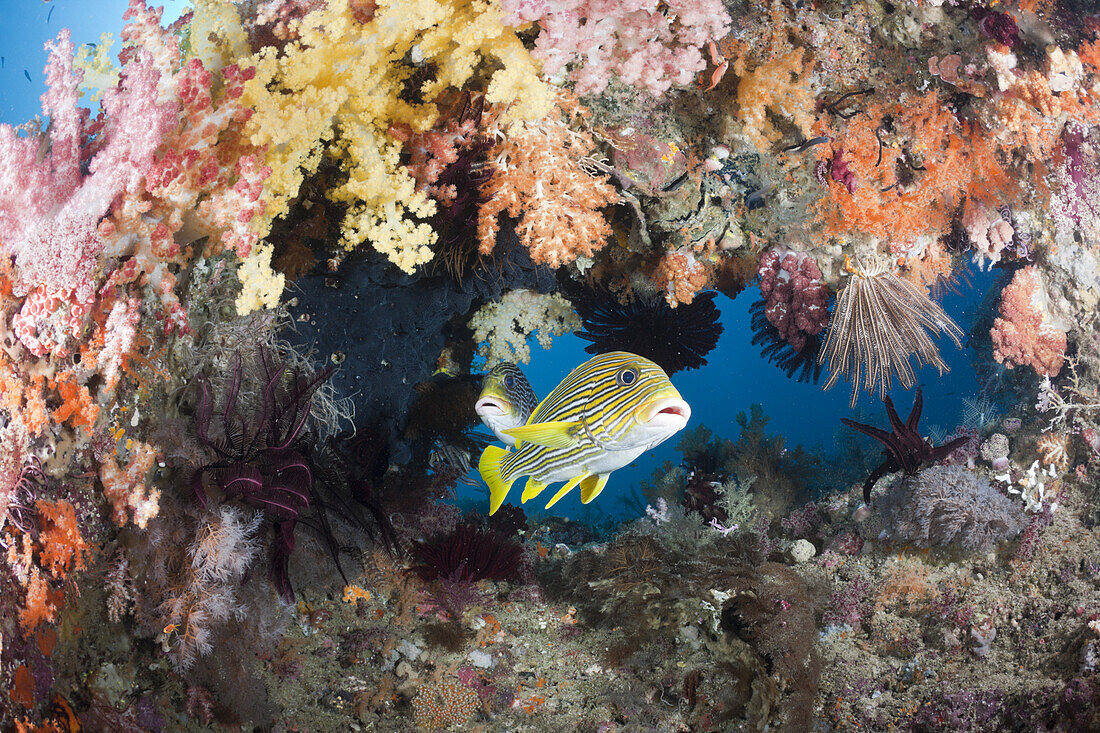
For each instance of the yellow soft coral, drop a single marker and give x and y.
(100, 73)
(780, 84)
(354, 81)
(216, 34)
(260, 285)
(502, 328)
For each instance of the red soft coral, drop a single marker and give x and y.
(796, 299)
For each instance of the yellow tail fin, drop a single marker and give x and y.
(489, 468)
(531, 489)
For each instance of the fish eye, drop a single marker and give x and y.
(509, 381)
(627, 376)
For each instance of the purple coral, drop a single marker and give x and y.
(796, 299)
(850, 603)
(950, 505)
(841, 173)
(1001, 27)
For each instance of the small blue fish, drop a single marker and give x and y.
(506, 400)
(604, 414)
(28, 75)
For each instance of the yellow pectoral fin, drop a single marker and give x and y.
(565, 489)
(592, 486)
(549, 434)
(531, 489)
(489, 468)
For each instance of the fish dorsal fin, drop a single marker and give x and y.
(547, 434)
(592, 486)
(531, 489)
(565, 489)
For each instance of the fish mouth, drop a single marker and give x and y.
(491, 407)
(672, 412)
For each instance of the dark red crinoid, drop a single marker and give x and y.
(468, 554)
(257, 454)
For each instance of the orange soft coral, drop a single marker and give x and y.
(781, 86)
(125, 487)
(680, 275)
(41, 603)
(59, 549)
(539, 180)
(913, 163)
(77, 407)
(62, 549)
(1024, 335)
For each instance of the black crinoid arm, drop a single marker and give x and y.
(905, 449)
(675, 338)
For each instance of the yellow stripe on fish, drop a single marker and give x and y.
(603, 415)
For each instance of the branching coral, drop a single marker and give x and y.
(949, 505)
(780, 85)
(648, 44)
(348, 79)
(501, 329)
(914, 162)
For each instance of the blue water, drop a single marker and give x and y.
(29, 24)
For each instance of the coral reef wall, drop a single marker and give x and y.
(253, 261)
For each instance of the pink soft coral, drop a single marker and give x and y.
(1024, 334)
(796, 298)
(648, 44)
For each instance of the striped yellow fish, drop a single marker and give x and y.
(604, 414)
(506, 401)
